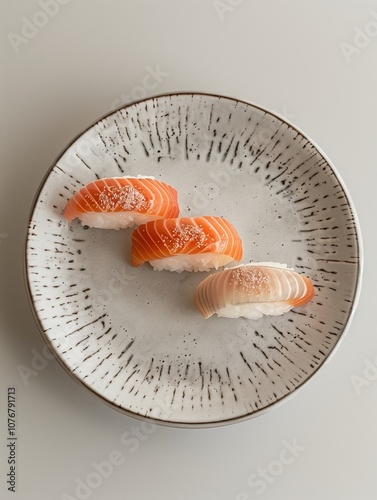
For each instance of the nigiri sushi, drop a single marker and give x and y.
(186, 244)
(253, 290)
(120, 202)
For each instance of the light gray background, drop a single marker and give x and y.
(92, 55)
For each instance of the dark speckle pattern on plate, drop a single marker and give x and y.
(133, 336)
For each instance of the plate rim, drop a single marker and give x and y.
(209, 423)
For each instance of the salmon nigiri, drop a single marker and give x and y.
(252, 290)
(186, 244)
(120, 202)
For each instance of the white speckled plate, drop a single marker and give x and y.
(133, 336)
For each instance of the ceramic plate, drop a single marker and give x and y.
(133, 336)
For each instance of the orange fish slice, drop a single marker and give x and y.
(186, 244)
(119, 202)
